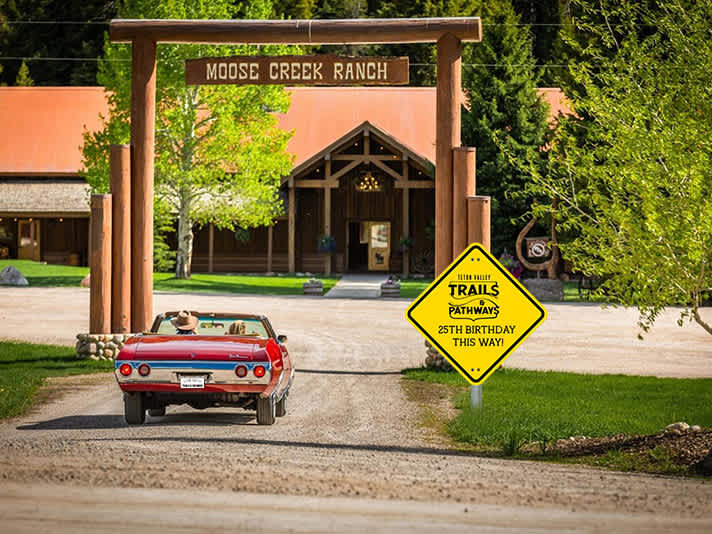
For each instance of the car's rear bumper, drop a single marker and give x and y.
(219, 376)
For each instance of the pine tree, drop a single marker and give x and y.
(23, 78)
(504, 112)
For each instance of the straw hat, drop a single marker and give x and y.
(185, 321)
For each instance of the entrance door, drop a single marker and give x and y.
(28, 240)
(379, 246)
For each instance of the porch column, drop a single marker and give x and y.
(120, 163)
(463, 166)
(478, 220)
(143, 118)
(211, 246)
(291, 222)
(270, 229)
(447, 137)
(327, 212)
(100, 265)
(406, 218)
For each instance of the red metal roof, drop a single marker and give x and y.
(41, 127)
(321, 115)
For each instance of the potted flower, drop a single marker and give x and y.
(405, 243)
(511, 264)
(391, 287)
(313, 287)
(326, 244)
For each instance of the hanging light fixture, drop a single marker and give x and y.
(368, 183)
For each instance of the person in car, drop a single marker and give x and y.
(185, 323)
(238, 328)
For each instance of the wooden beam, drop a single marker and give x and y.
(291, 232)
(405, 225)
(417, 184)
(327, 216)
(478, 221)
(385, 168)
(143, 115)
(100, 266)
(211, 246)
(338, 174)
(314, 31)
(316, 184)
(270, 239)
(120, 163)
(362, 157)
(447, 137)
(463, 166)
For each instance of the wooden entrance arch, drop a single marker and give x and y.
(448, 33)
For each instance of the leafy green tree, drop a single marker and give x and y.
(23, 78)
(633, 170)
(220, 154)
(505, 116)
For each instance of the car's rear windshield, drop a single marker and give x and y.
(214, 326)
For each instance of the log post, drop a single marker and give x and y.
(447, 137)
(327, 226)
(143, 117)
(211, 247)
(478, 220)
(270, 246)
(291, 233)
(463, 166)
(327, 210)
(120, 160)
(405, 231)
(100, 265)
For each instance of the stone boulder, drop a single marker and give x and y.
(544, 289)
(86, 281)
(10, 276)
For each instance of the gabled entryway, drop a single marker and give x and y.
(362, 204)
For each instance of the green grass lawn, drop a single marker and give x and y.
(24, 366)
(533, 406)
(411, 288)
(44, 275)
(227, 283)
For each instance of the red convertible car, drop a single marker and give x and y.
(205, 360)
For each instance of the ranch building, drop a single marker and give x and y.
(363, 174)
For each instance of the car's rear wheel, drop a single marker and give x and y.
(134, 410)
(266, 411)
(281, 409)
(157, 412)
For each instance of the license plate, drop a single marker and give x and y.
(192, 382)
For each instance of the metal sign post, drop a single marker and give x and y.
(476, 397)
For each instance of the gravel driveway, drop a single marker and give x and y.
(350, 431)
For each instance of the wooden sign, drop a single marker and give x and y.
(297, 70)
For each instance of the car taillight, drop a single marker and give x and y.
(125, 369)
(241, 371)
(144, 369)
(259, 371)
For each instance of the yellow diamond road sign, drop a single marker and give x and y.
(476, 313)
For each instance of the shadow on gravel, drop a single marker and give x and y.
(358, 373)
(98, 422)
(78, 422)
(305, 444)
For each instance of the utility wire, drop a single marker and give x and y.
(521, 24)
(20, 58)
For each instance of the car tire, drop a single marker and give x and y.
(157, 412)
(134, 411)
(266, 411)
(281, 408)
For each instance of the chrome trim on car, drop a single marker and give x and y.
(169, 372)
